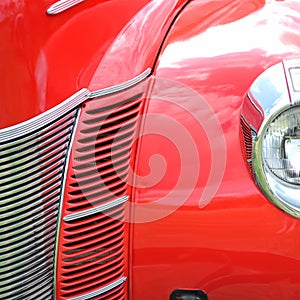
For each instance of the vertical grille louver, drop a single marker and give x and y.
(92, 260)
(31, 170)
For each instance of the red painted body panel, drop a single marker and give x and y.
(236, 245)
(198, 220)
(46, 59)
(43, 56)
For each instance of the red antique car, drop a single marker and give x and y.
(150, 149)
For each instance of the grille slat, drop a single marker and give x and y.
(247, 137)
(30, 195)
(106, 141)
(21, 228)
(96, 238)
(98, 258)
(22, 190)
(111, 274)
(22, 290)
(20, 267)
(122, 161)
(126, 130)
(24, 256)
(26, 276)
(34, 179)
(20, 218)
(34, 152)
(15, 245)
(37, 138)
(32, 170)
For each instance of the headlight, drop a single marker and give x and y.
(275, 120)
(281, 146)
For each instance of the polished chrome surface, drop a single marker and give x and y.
(96, 209)
(100, 291)
(292, 73)
(120, 87)
(31, 166)
(61, 6)
(269, 93)
(61, 198)
(274, 92)
(15, 134)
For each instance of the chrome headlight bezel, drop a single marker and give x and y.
(271, 96)
(284, 194)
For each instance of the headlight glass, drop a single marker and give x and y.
(281, 146)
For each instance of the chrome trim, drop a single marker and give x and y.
(96, 209)
(254, 104)
(14, 132)
(62, 194)
(272, 79)
(284, 195)
(290, 65)
(100, 291)
(29, 126)
(120, 87)
(61, 6)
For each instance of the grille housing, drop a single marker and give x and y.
(93, 242)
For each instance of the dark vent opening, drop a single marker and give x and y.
(122, 110)
(246, 141)
(113, 106)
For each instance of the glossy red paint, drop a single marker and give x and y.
(198, 220)
(46, 59)
(236, 245)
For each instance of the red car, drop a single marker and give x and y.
(150, 149)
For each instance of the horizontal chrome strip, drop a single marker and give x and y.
(96, 209)
(61, 6)
(14, 132)
(100, 291)
(122, 86)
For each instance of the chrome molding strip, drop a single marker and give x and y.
(123, 86)
(61, 200)
(96, 209)
(254, 104)
(100, 291)
(15, 132)
(61, 6)
(292, 74)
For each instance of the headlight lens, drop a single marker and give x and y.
(281, 146)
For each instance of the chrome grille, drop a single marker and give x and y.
(34, 158)
(31, 169)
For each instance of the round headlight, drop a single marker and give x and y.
(276, 159)
(271, 136)
(281, 146)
